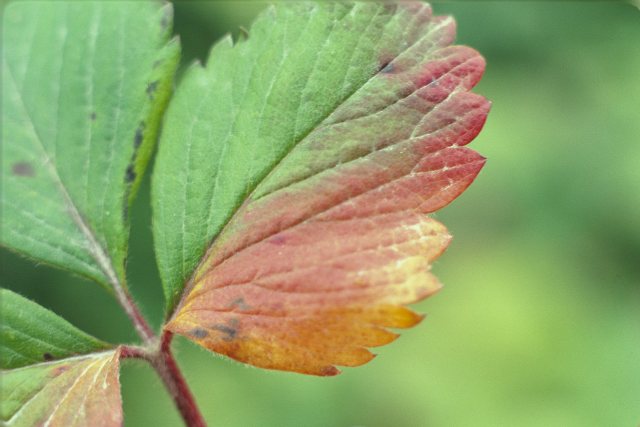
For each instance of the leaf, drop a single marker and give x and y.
(310, 156)
(84, 85)
(29, 333)
(40, 389)
(79, 391)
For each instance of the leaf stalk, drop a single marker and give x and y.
(161, 358)
(133, 312)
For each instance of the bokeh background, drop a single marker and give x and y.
(539, 320)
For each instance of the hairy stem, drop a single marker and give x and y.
(131, 309)
(165, 365)
(169, 371)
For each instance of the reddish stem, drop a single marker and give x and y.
(167, 368)
(162, 360)
(165, 365)
(133, 352)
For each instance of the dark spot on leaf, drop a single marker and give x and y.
(139, 136)
(156, 63)
(230, 330)
(227, 330)
(387, 68)
(198, 333)
(239, 304)
(59, 370)
(22, 169)
(92, 116)
(151, 88)
(130, 174)
(47, 357)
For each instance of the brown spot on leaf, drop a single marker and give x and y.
(229, 330)
(92, 116)
(139, 136)
(198, 333)
(151, 88)
(22, 169)
(59, 370)
(240, 304)
(47, 357)
(388, 68)
(130, 175)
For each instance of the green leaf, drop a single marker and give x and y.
(84, 86)
(30, 334)
(79, 391)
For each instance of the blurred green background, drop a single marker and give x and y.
(539, 320)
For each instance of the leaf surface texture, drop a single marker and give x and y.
(84, 85)
(29, 334)
(79, 391)
(294, 178)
